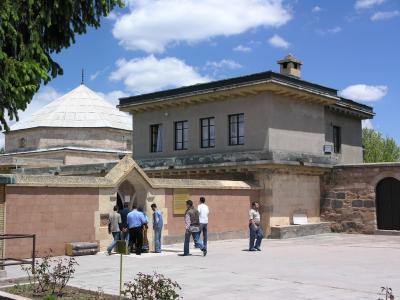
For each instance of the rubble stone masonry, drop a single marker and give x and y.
(348, 196)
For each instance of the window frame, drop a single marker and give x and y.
(237, 123)
(154, 147)
(181, 131)
(209, 142)
(337, 139)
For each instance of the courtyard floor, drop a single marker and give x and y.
(330, 266)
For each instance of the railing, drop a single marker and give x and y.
(10, 261)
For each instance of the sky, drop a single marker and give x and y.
(150, 45)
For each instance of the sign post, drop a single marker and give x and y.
(122, 249)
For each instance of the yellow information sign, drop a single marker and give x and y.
(180, 198)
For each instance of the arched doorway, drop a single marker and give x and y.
(120, 203)
(388, 204)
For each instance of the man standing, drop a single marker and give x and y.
(192, 228)
(124, 217)
(203, 212)
(136, 220)
(157, 227)
(256, 233)
(114, 220)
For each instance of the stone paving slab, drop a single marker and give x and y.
(329, 266)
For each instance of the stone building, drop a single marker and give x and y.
(78, 128)
(275, 129)
(292, 145)
(63, 209)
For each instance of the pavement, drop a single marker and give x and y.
(328, 266)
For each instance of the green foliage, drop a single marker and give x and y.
(378, 148)
(49, 297)
(151, 287)
(30, 32)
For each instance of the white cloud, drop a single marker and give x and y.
(316, 9)
(241, 48)
(332, 30)
(94, 76)
(278, 42)
(367, 124)
(152, 25)
(113, 96)
(44, 96)
(385, 15)
(223, 64)
(149, 74)
(365, 4)
(363, 92)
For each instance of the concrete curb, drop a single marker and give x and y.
(11, 296)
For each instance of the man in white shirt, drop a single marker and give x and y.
(203, 211)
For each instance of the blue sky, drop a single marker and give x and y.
(350, 45)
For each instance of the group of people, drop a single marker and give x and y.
(132, 225)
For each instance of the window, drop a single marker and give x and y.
(236, 129)
(156, 138)
(181, 135)
(22, 143)
(128, 145)
(337, 139)
(207, 132)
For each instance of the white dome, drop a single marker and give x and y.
(81, 107)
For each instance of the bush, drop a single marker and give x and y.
(151, 287)
(51, 275)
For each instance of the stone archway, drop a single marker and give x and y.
(388, 204)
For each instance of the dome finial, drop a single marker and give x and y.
(83, 76)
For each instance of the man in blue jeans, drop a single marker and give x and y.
(192, 228)
(157, 226)
(114, 220)
(203, 217)
(256, 232)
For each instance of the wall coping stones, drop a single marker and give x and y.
(293, 231)
(368, 165)
(117, 175)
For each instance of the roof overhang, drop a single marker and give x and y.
(356, 111)
(274, 86)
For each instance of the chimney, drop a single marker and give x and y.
(290, 66)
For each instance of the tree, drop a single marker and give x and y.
(378, 148)
(30, 32)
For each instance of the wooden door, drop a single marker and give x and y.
(388, 204)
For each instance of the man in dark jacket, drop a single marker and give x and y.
(124, 216)
(192, 228)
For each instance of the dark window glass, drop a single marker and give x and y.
(236, 129)
(181, 135)
(156, 138)
(337, 139)
(207, 132)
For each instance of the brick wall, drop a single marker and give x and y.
(55, 215)
(348, 198)
(228, 213)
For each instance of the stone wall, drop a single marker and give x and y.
(56, 215)
(348, 196)
(46, 138)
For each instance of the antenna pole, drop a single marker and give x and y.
(82, 81)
